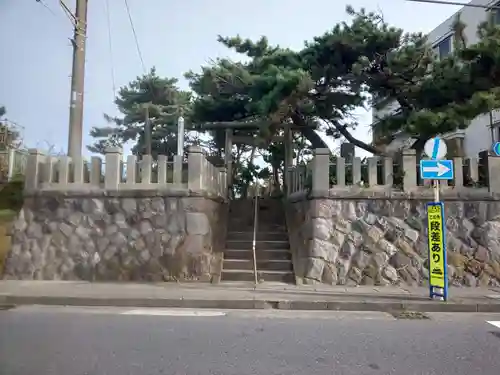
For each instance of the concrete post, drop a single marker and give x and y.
(64, 170)
(409, 168)
(321, 170)
(459, 172)
(340, 172)
(162, 170)
(11, 161)
(373, 171)
(388, 172)
(78, 165)
(48, 169)
(131, 170)
(195, 168)
(180, 136)
(112, 177)
(35, 158)
(356, 171)
(492, 166)
(146, 163)
(177, 173)
(95, 170)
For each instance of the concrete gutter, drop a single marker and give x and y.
(243, 296)
(376, 304)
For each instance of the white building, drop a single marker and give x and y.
(484, 130)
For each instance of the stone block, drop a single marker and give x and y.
(314, 269)
(388, 239)
(390, 273)
(323, 249)
(197, 223)
(321, 228)
(113, 238)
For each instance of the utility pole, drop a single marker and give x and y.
(75, 133)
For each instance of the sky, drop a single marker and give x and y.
(174, 36)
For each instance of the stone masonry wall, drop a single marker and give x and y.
(382, 240)
(135, 236)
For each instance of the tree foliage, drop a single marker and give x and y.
(437, 96)
(320, 85)
(165, 103)
(315, 87)
(9, 135)
(358, 63)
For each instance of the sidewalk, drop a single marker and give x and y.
(245, 296)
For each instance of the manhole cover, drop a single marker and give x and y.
(410, 315)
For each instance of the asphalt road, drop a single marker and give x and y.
(86, 341)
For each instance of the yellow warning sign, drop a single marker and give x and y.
(436, 245)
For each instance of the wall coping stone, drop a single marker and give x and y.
(426, 194)
(135, 193)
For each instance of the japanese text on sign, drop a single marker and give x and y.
(436, 245)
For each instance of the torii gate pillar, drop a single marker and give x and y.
(228, 156)
(288, 141)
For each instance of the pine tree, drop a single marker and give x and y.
(165, 102)
(318, 86)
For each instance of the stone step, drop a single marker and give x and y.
(262, 214)
(261, 236)
(234, 226)
(264, 245)
(275, 254)
(247, 275)
(267, 265)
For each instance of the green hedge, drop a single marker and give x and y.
(11, 195)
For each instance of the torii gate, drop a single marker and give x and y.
(231, 139)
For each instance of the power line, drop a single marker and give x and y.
(469, 5)
(147, 122)
(72, 17)
(110, 46)
(67, 12)
(46, 7)
(145, 106)
(135, 36)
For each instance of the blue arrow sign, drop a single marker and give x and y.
(496, 148)
(436, 169)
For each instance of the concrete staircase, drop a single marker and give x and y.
(274, 261)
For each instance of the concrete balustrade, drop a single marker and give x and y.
(48, 173)
(400, 173)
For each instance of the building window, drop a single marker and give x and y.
(443, 48)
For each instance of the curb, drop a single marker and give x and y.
(256, 304)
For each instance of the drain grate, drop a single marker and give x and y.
(409, 315)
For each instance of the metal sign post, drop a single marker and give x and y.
(436, 169)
